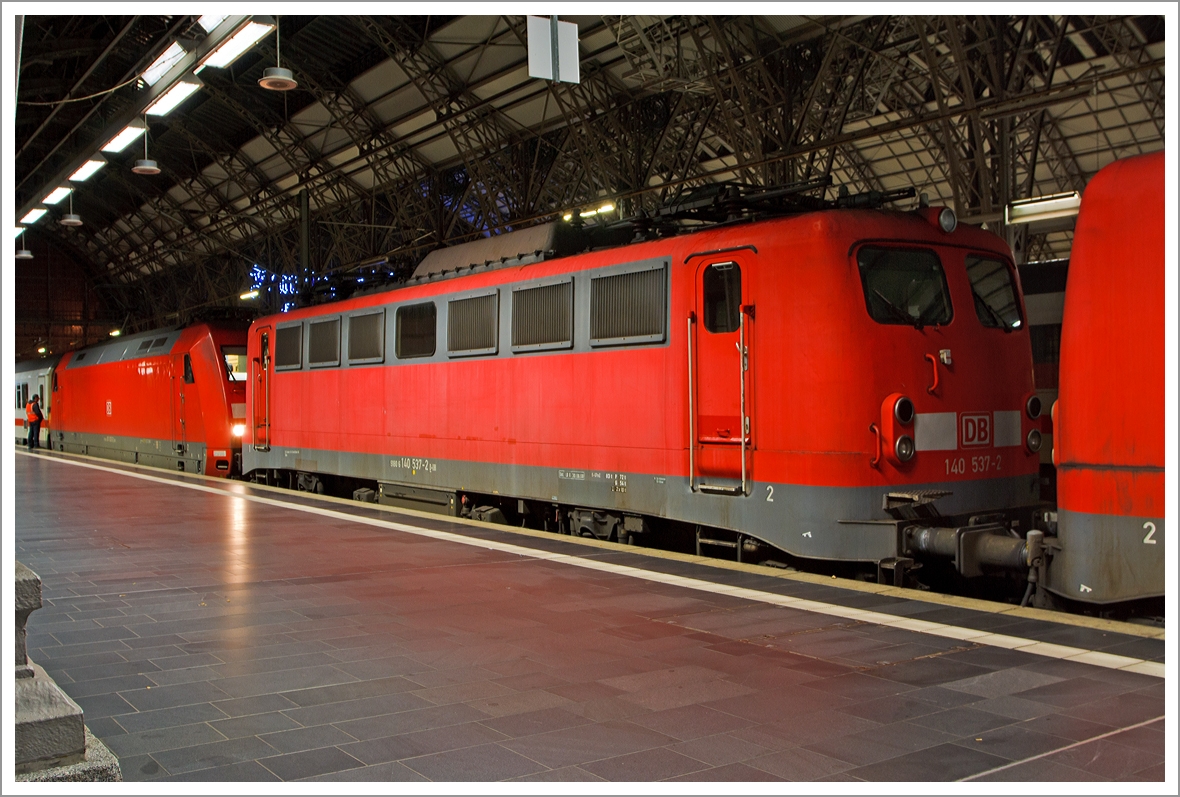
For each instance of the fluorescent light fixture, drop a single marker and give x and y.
(172, 97)
(567, 217)
(1053, 206)
(125, 137)
(33, 215)
(40, 349)
(211, 21)
(162, 64)
(116, 333)
(88, 168)
(249, 295)
(607, 208)
(240, 42)
(19, 230)
(58, 194)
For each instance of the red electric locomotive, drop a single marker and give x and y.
(1109, 415)
(170, 398)
(851, 385)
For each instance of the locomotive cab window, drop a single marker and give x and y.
(994, 293)
(722, 286)
(416, 330)
(904, 286)
(235, 362)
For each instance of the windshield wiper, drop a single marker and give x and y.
(898, 313)
(991, 311)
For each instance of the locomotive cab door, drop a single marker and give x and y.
(260, 375)
(183, 382)
(719, 334)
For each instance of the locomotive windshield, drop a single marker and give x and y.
(904, 286)
(235, 362)
(995, 295)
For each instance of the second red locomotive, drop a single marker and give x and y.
(169, 398)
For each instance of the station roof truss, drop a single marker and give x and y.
(408, 133)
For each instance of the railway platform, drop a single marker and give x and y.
(216, 630)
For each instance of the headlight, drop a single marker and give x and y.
(1033, 407)
(239, 429)
(1034, 440)
(904, 448)
(903, 411)
(947, 220)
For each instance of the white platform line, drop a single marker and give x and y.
(1048, 650)
(1115, 732)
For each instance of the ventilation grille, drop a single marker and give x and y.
(289, 347)
(415, 330)
(542, 317)
(323, 342)
(366, 337)
(471, 325)
(628, 308)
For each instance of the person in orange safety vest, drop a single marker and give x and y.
(35, 417)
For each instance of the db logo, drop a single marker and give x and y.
(976, 430)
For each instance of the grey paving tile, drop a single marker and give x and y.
(169, 717)
(1119, 710)
(104, 686)
(1039, 771)
(158, 739)
(140, 768)
(427, 742)
(1016, 708)
(321, 713)
(798, 764)
(282, 681)
(244, 772)
(563, 775)
(1070, 692)
(149, 699)
(728, 773)
(390, 772)
(893, 708)
(309, 763)
(215, 754)
(488, 762)
(946, 762)
(658, 763)
(408, 721)
(293, 741)
(583, 743)
(1107, 759)
(962, 721)
(355, 690)
(254, 725)
(1002, 682)
(532, 722)
(1013, 742)
(103, 706)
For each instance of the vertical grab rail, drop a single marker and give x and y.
(692, 437)
(743, 364)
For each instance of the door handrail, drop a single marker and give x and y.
(692, 435)
(743, 365)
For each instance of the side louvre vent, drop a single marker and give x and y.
(542, 317)
(289, 347)
(323, 342)
(472, 325)
(366, 337)
(628, 308)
